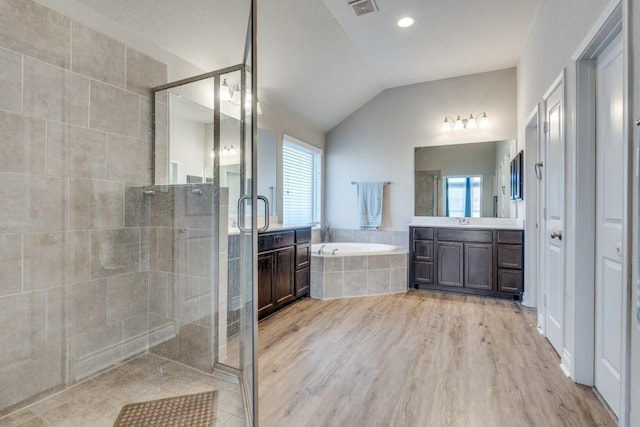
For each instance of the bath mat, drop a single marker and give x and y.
(191, 410)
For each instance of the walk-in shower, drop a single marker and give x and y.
(127, 222)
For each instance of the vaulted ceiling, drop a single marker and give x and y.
(321, 62)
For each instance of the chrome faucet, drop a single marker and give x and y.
(463, 221)
(333, 252)
(320, 250)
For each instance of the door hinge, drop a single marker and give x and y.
(544, 213)
(545, 127)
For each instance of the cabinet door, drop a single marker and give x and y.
(265, 284)
(303, 255)
(450, 262)
(283, 276)
(510, 256)
(478, 266)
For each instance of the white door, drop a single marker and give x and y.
(554, 222)
(610, 202)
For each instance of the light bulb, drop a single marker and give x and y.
(225, 93)
(484, 121)
(446, 125)
(232, 150)
(405, 22)
(471, 123)
(458, 124)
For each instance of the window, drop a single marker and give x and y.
(301, 177)
(463, 196)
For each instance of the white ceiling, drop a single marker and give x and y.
(319, 61)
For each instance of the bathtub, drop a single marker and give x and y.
(351, 249)
(342, 270)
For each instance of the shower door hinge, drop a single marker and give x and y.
(545, 127)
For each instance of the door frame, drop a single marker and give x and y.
(533, 295)
(602, 33)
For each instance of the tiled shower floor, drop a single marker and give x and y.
(97, 402)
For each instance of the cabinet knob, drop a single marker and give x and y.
(556, 235)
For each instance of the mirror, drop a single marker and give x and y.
(463, 180)
(186, 156)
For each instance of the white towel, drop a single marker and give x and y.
(370, 205)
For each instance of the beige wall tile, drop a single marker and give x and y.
(200, 253)
(114, 252)
(378, 262)
(172, 250)
(34, 30)
(32, 203)
(114, 110)
(355, 283)
(136, 327)
(10, 81)
(378, 281)
(95, 204)
(23, 144)
(160, 294)
(56, 94)
(29, 362)
(146, 119)
(87, 306)
(127, 296)
(136, 207)
(144, 72)
(398, 280)
(194, 346)
(96, 55)
(10, 264)
(76, 152)
(129, 160)
(333, 285)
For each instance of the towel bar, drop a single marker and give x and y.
(385, 183)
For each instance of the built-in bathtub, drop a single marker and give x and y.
(340, 270)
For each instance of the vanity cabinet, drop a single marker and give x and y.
(467, 260)
(283, 268)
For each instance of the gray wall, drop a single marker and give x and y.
(376, 142)
(557, 30)
(76, 136)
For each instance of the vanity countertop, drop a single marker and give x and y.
(482, 223)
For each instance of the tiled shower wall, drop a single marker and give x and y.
(75, 148)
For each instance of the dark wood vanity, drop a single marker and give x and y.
(284, 259)
(477, 261)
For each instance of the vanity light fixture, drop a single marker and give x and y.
(227, 150)
(465, 123)
(235, 100)
(405, 22)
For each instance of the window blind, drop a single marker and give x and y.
(301, 183)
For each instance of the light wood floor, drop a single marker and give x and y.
(420, 359)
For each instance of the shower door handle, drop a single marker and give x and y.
(241, 213)
(265, 227)
(241, 216)
(539, 170)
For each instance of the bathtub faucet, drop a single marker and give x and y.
(320, 250)
(333, 252)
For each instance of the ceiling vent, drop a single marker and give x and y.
(362, 7)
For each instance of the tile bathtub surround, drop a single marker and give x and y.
(75, 236)
(350, 276)
(395, 238)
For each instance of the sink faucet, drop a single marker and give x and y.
(463, 221)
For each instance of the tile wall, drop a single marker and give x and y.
(76, 276)
(396, 238)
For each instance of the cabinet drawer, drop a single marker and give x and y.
(510, 256)
(423, 250)
(303, 235)
(302, 255)
(423, 233)
(474, 236)
(423, 272)
(267, 242)
(510, 281)
(510, 236)
(302, 282)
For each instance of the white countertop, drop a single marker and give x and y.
(486, 223)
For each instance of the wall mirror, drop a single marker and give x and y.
(185, 154)
(463, 180)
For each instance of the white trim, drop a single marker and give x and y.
(612, 14)
(302, 144)
(532, 289)
(565, 363)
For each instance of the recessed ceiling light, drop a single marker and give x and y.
(405, 22)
